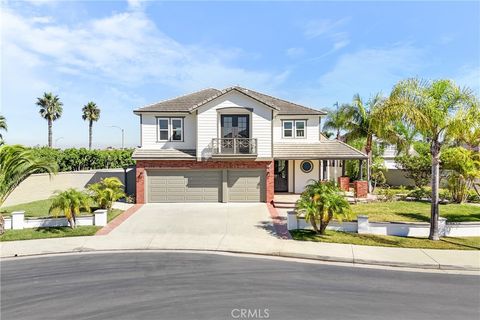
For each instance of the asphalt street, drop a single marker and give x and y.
(155, 285)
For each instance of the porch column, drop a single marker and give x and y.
(360, 171)
(327, 171)
(320, 174)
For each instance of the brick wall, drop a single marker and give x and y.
(361, 189)
(182, 164)
(344, 183)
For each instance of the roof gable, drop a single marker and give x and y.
(190, 102)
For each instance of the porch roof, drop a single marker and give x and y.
(164, 154)
(324, 150)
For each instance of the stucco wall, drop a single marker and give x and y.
(41, 186)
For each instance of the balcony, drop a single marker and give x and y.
(234, 147)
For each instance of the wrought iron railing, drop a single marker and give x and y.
(234, 146)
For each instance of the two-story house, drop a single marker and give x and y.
(231, 145)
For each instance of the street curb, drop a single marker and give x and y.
(293, 255)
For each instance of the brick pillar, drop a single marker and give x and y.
(344, 183)
(140, 178)
(360, 188)
(270, 191)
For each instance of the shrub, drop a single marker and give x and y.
(419, 194)
(83, 159)
(69, 203)
(386, 194)
(106, 192)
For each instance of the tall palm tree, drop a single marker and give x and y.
(50, 109)
(16, 164)
(337, 120)
(3, 126)
(440, 111)
(91, 112)
(362, 122)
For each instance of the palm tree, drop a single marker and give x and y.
(16, 164)
(440, 111)
(50, 109)
(362, 122)
(70, 202)
(106, 192)
(91, 112)
(3, 126)
(401, 134)
(320, 203)
(337, 120)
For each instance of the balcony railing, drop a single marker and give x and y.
(234, 146)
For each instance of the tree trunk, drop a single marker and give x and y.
(49, 133)
(435, 152)
(314, 224)
(90, 124)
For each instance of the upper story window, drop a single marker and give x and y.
(294, 128)
(170, 129)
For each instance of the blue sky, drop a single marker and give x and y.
(124, 54)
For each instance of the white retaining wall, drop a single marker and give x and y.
(401, 229)
(42, 186)
(18, 221)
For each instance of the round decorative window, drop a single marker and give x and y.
(306, 166)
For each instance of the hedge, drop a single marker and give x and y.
(83, 159)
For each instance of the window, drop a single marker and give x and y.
(163, 129)
(177, 129)
(288, 129)
(306, 166)
(300, 129)
(294, 128)
(170, 129)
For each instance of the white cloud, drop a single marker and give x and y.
(330, 30)
(127, 48)
(469, 76)
(295, 52)
(316, 28)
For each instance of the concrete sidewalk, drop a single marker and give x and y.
(396, 257)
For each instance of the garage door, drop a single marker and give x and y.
(246, 185)
(184, 186)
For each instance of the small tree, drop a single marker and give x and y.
(464, 167)
(320, 203)
(378, 173)
(106, 192)
(70, 202)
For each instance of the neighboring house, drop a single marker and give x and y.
(394, 176)
(233, 145)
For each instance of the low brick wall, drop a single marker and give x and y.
(344, 183)
(143, 165)
(360, 189)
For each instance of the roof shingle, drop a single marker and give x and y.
(189, 102)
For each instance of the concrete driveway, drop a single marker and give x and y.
(223, 226)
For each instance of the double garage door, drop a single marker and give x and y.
(206, 185)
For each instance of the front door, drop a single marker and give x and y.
(235, 131)
(280, 176)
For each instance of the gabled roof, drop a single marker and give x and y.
(190, 102)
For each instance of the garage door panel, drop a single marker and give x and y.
(184, 186)
(245, 185)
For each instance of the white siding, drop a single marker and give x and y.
(149, 132)
(312, 134)
(209, 127)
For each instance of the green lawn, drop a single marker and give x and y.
(414, 211)
(43, 233)
(39, 209)
(466, 243)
